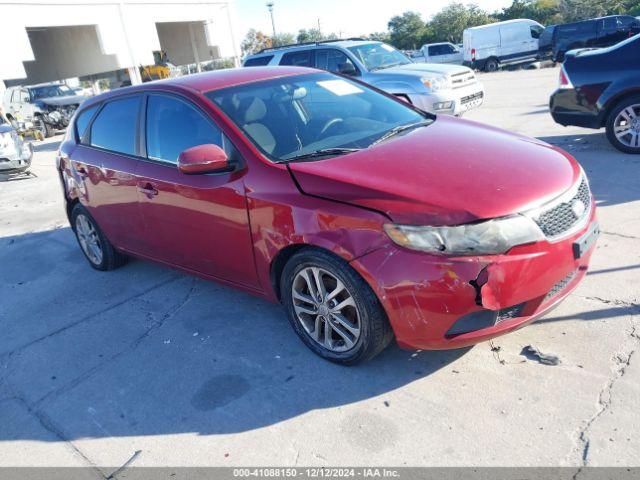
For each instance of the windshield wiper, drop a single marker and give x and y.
(400, 128)
(323, 152)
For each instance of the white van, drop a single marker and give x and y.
(488, 47)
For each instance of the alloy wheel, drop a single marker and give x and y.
(326, 309)
(626, 126)
(89, 240)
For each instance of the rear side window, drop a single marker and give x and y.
(258, 61)
(297, 59)
(82, 122)
(115, 126)
(173, 126)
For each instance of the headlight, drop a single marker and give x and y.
(484, 238)
(436, 83)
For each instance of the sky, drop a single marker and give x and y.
(347, 18)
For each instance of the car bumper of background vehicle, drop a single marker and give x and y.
(450, 102)
(435, 302)
(568, 107)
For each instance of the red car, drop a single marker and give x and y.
(366, 217)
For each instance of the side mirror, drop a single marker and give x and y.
(207, 158)
(347, 69)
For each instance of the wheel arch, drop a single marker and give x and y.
(613, 102)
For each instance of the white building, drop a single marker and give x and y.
(47, 40)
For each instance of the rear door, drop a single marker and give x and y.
(104, 165)
(298, 58)
(198, 222)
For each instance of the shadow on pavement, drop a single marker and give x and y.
(146, 350)
(612, 174)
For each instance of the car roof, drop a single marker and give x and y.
(506, 22)
(208, 81)
(303, 46)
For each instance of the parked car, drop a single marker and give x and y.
(488, 47)
(556, 40)
(365, 216)
(15, 154)
(601, 88)
(433, 88)
(48, 106)
(441, 53)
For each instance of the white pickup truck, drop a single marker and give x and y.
(440, 53)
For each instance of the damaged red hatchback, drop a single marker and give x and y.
(365, 217)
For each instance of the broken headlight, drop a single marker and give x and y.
(484, 238)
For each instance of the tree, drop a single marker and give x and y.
(406, 31)
(452, 20)
(283, 39)
(378, 37)
(255, 41)
(314, 35)
(547, 12)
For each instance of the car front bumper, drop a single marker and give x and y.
(436, 302)
(451, 101)
(17, 156)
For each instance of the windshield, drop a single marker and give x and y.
(298, 115)
(376, 56)
(50, 91)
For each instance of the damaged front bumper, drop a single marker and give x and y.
(436, 302)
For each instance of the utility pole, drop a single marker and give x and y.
(319, 29)
(273, 24)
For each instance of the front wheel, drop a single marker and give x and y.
(623, 125)
(332, 309)
(43, 127)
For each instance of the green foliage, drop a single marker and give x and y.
(452, 20)
(255, 41)
(407, 31)
(283, 39)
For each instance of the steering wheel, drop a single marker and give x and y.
(333, 123)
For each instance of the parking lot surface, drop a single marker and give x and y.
(95, 367)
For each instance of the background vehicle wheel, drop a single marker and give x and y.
(332, 309)
(491, 65)
(623, 125)
(43, 127)
(95, 246)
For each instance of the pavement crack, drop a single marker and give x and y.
(87, 317)
(621, 361)
(621, 235)
(49, 425)
(616, 302)
(130, 348)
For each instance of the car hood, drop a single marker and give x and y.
(451, 172)
(63, 101)
(419, 69)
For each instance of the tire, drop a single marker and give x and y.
(362, 312)
(109, 257)
(43, 127)
(626, 112)
(491, 65)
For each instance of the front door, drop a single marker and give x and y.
(198, 222)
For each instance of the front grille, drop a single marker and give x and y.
(562, 217)
(471, 98)
(560, 286)
(463, 79)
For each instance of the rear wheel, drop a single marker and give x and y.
(623, 125)
(332, 309)
(491, 65)
(95, 246)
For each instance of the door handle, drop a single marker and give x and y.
(149, 190)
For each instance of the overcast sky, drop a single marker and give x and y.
(349, 17)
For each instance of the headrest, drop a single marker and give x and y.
(253, 110)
